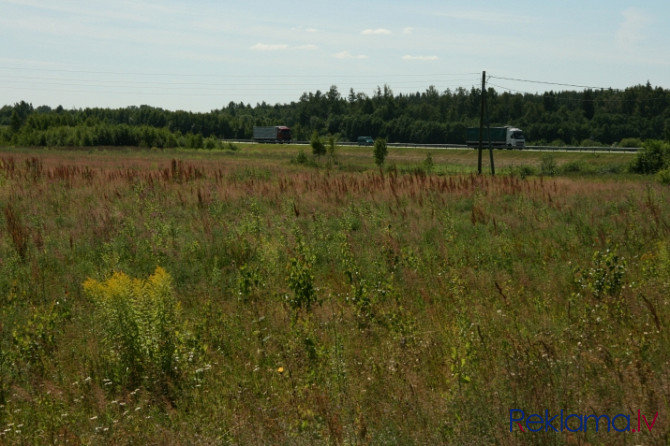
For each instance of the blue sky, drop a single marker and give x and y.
(200, 55)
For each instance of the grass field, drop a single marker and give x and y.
(253, 296)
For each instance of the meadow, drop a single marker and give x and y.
(256, 296)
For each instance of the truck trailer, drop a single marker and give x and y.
(499, 137)
(276, 134)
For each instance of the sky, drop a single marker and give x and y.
(200, 55)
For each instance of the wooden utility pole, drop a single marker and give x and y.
(481, 131)
(481, 126)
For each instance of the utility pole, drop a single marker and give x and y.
(481, 131)
(481, 126)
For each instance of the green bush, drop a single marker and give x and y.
(331, 145)
(573, 167)
(380, 151)
(590, 143)
(663, 176)
(524, 171)
(301, 158)
(654, 156)
(630, 142)
(301, 279)
(318, 148)
(548, 165)
(210, 143)
(428, 163)
(605, 276)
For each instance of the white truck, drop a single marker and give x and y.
(499, 137)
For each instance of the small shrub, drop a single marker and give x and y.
(590, 143)
(301, 279)
(360, 294)
(35, 340)
(380, 151)
(195, 141)
(572, 167)
(318, 148)
(663, 176)
(331, 145)
(524, 171)
(301, 158)
(548, 165)
(139, 322)
(630, 142)
(605, 277)
(248, 282)
(428, 163)
(211, 143)
(655, 156)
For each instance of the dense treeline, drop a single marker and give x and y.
(432, 117)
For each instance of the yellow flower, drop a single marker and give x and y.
(280, 370)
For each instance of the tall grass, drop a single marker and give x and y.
(307, 305)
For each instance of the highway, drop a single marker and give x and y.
(463, 146)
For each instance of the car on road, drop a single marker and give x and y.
(365, 141)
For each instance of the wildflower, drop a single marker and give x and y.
(280, 370)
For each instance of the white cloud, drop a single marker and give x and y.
(269, 47)
(408, 30)
(376, 32)
(307, 46)
(632, 31)
(348, 55)
(311, 30)
(423, 58)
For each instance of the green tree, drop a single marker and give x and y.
(380, 151)
(588, 104)
(318, 148)
(15, 121)
(331, 145)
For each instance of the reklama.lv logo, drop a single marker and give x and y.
(577, 423)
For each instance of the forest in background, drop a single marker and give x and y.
(588, 117)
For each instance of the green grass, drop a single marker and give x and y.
(328, 302)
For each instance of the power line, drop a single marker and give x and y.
(548, 83)
(244, 76)
(113, 83)
(511, 90)
(132, 80)
(559, 98)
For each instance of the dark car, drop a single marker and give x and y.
(365, 141)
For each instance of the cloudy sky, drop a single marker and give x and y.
(202, 54)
